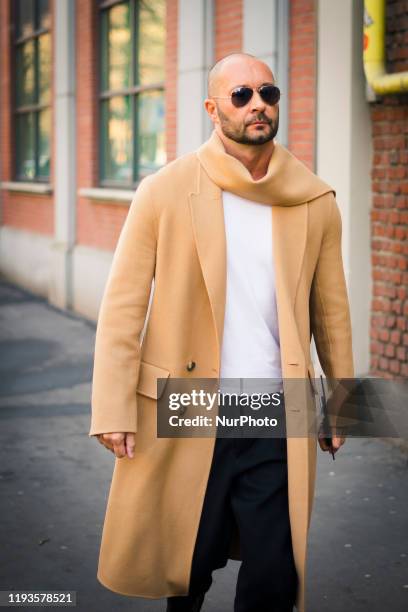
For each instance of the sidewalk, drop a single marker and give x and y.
(54, 482)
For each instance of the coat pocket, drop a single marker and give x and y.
(148, 375)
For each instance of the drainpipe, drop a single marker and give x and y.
(378, 81)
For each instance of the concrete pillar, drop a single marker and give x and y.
(344, 150)
(195, 57)
(60, 292)
(266, 35)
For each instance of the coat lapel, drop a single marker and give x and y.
(207, 216)
(289, 232)
(289, 235)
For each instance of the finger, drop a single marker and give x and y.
(337, 443)
(130, 444)
(336, 446)
(102, 441)
(107, 441)
(119, 447)
(108, 447)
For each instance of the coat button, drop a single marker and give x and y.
(191, 365)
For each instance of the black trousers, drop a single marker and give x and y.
(247, 486)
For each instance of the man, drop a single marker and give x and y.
(243, 246)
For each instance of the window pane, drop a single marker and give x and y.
(25, 74)
(117, 139)
(44, 62)
(119, 47)
(151, 38)
(44, 125)
(44, 18)
(25, 146)
(151, 142)
(25, 17)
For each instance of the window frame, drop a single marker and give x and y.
(133, 91)
(35, 108)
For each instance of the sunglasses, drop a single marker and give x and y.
(240, 96)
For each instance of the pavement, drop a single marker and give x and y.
(54, 482)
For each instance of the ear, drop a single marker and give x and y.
(211, 109)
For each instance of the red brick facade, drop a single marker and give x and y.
(7, 152)
(302, 80)
(389, 215)
(228, 27)
(24, 211)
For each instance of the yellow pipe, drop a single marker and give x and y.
(374, 52)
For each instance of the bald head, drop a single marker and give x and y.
(235, 69)
(256, 121)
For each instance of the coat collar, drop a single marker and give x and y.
(289, 232)
(287, 182)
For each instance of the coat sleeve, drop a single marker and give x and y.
(121, 319)
(329, 305)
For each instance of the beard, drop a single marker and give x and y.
(238, 133)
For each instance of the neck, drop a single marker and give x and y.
(255, 158)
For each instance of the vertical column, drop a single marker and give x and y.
(344, 151)
(195, 56)
(266, 35)
(64, 154)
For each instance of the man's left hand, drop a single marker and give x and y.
(336, 440)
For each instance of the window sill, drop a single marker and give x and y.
(116, 196)
(43, 188)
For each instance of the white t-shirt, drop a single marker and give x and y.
(250, 347)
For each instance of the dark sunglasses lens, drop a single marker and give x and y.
(241, 96)
(270, 94)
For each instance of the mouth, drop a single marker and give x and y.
(259, 123)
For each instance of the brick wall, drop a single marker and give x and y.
(228, 27)
(389, 214)
(7, 143)
(302, 80)
(397, 35)
(25, 211)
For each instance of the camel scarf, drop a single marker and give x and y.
(288, 182)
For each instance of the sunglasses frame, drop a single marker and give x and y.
(258, 89)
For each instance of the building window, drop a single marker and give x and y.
(132, 48)
(32, 95)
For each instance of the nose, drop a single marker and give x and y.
(256, 102)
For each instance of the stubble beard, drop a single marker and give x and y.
(238, 133)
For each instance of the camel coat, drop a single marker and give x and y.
(163, 307)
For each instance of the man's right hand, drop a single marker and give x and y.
(121, 444)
